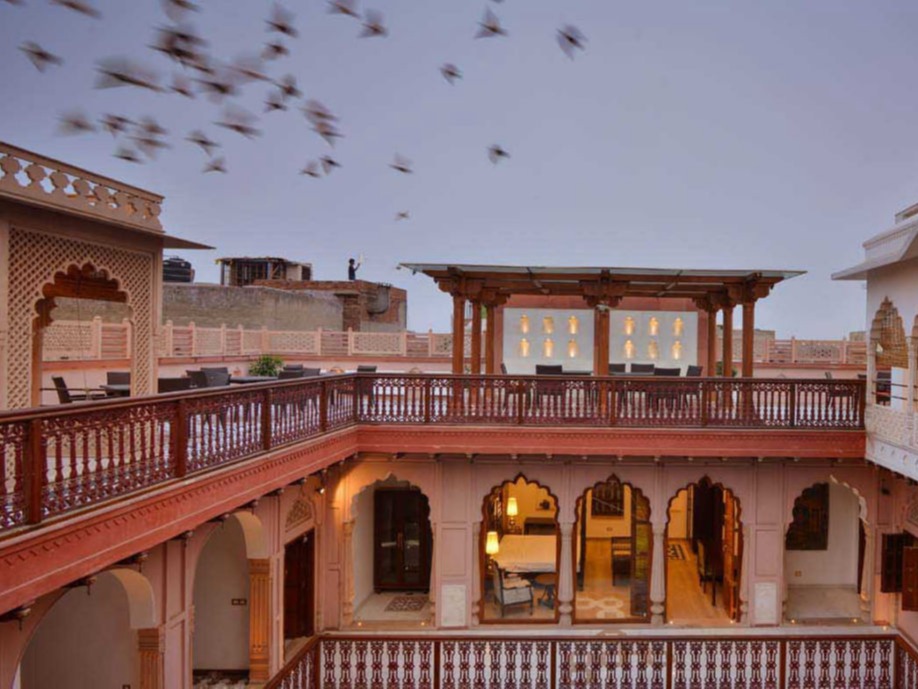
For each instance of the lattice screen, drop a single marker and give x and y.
(888, 331)
(34, 259)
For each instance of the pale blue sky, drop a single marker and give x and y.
(776, 134)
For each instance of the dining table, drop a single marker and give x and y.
(117, 389)
(249, 380)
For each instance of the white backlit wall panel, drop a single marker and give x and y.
(565, 337)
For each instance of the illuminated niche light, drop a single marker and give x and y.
(678, 326)
(653, 351)
(677, 350)
(629, 325)
(548, 348)
(524, 348)
(573, 325)
(653, 326)
(629, 349)
(572, 349)
(524, 323)
(548, 325)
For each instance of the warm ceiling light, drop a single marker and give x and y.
(653, 351)
(548, 325)
(678, 326)
(653, 326)
(492, 545)
(677, 350)
(513, 508)
(524, 323)
(629, 349)
(573, 325)
(548, 348)
(524, 348)
(629, 325)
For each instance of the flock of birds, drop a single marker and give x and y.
(202, 74)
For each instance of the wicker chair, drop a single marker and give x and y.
(64, 396)
(511, 590)
(164, 385)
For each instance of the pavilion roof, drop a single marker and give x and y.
(690, 283)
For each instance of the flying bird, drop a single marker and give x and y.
(274, 50)
(127, 154)
(149, 144)
(401, 164)
(75, 122)
(176, 9)
(373, 25)
(120, 71)
(249, 68)
(496, 153)
(240, 121)
(287, 86)
(116, 124)
(275, 102)
(282, 21)
(216, 165)
(402, 215)
(489, 26)
(40, 57)
(182, 86)
(200, 138)
(181, 44)
(570, 38)
(311, 169)
(450, 72)
(327, 131)
(79, 6)
(345, 7)
(220, 84)
(315, 111)
(329, 163)
(150, 126)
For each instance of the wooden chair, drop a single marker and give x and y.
(293, 367)
(64, 396)
(671, 372)
(694, 371)
(617, 369)
(198, 379)
(510, 589)
(164, 385)
(643, 369)
(289, 374)
(311, 372)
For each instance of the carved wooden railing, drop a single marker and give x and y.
(539, 662)
(906, 664)
(42, 181)
(57, 459)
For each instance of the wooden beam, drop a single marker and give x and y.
(490, 339)
(458, 334)
(476, 337)
(728, 341)
(748, 338)
(711, 363)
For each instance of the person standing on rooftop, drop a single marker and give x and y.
(352, 267)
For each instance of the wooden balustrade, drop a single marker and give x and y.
(538, 662)
(57, 459)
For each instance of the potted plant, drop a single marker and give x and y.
(266, 365)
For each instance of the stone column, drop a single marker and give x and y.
(259, 619)
(910, 380)
(565, 575)
(658, 575)
(476, 337)
(151, 645)
(727, 356)
(872, 370)
(744, 592)
(347, 574)
(867, 575)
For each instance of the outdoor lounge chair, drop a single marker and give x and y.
(643, 369)
(64, 396)
(164, 385)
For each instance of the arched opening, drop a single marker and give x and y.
(887, 339)
(519, 553)
(222, 605)
(392, 545)
(824, 553)
(613, 548)
(703, 551)
(83, 315)
(89, 636)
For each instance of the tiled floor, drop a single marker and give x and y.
(823, 604)
(686, 603)
(599, 599)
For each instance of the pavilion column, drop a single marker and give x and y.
(151, 647)
(259, 619)
(490, 339)
(600, 340)
(728, 341)
(912, 344)
(748, 338)
(565, 575)
(476, 337)
(658, 574)
(711, 363)
(458, 334)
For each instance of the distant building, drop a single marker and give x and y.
(243, 271)
(177, 269)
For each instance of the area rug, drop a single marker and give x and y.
(600, 606)
(675, 552)
(406, 604)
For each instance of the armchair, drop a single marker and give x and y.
(510, 589)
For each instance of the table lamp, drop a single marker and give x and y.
(512, 510)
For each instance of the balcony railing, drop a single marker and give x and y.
(538, 662)
(57, 459)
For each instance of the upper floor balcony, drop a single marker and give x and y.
(59, 459)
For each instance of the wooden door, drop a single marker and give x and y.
(731, 556)
(910, 578)
(402, 540)
(299, 591)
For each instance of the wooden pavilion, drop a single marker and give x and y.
(489, 287)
